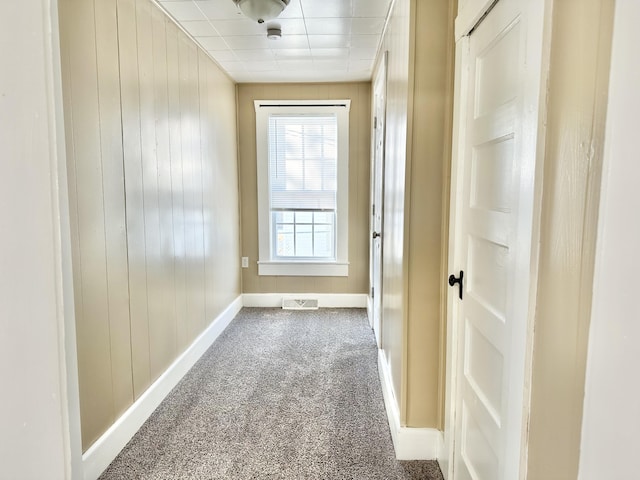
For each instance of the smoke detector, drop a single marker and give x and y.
(274, 33)
(261, 10)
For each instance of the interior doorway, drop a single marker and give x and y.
(493, 266)
(377, 197)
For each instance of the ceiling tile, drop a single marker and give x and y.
(366, 26)
(365, 41)
(248, 42)
(331, 64)
(242, 26)
(370, 8)
(296, 65)
(293, 53)
(328, 26)
(289, 41)
(363, 53)
(262, 66)
(254, 55)
(293, 10)
(326, 8)
(289, 26)
(183, 10)
(212, 43)
(219, 9)
(330, 52)
(200, 28)
(223, 55)
(328, 41)
(360, 65)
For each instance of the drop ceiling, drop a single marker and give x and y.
(322, 40)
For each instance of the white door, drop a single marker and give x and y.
(493, 225)
(377, 182)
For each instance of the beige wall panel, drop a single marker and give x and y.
(149, 166)
(136, 242)
(396, 42)
(578, 86)
(359, 122)
(207, 139)
(149, 114)
(162, 341)
(114, 203)
(430, 156)
(190, 170)
(87, 220)
(177, 189)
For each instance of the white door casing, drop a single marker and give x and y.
(494, 206)
(377, 188)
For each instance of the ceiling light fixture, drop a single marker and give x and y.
(261, 10)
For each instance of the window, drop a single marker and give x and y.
(302, 155)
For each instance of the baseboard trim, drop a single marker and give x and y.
(325, 300)
(98, 457)
(409, 443)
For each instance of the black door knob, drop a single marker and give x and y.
(453, 280)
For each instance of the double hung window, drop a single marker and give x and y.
(302, 155)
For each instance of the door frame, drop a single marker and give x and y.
(538, 23)
(379, 75)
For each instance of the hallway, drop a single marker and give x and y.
(281, 394)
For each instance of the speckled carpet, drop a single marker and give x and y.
(280, 395)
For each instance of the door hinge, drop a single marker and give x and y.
(375, 122)
(373, 209)
(371, 292)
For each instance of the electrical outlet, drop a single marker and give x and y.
(245, 262)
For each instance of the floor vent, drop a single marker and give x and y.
(299, 303)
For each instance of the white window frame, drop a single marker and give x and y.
(306, 267)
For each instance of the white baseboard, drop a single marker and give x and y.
(98, 457)
(325, 300)
(409, 443)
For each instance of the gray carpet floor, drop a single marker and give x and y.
(280, 395)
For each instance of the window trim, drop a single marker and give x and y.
(305, 267)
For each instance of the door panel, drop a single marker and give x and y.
(487, 397)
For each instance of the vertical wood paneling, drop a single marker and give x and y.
(154, 199)
(114, 202)
(206, 179)
(136, 244)
(87, 219)
(177, 187)
(162, 346)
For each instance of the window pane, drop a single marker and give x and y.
(285, 241)
(304, 240)
(304, 217)
(323, 217)
(323, 241)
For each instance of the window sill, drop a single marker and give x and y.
(304, 269)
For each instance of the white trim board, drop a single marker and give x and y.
(325, 300)
(409, 443)
(98, 457)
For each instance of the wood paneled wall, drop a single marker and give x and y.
(419, 39)
(359, 164)
(151, 141)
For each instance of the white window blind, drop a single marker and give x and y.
(303, 162)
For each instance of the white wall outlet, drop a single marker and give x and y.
(245, 262)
